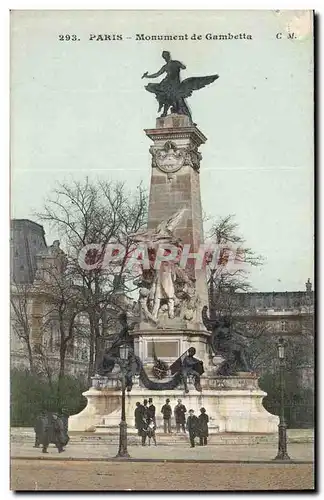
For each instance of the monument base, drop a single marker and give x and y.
(169, 343)
(233, 404)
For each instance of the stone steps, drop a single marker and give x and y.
(112, 437)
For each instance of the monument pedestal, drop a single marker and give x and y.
(169, 343)
(233, 404)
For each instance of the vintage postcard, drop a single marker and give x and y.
(162, 247)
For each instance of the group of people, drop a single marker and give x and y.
(145, 421)
(51, 428)
(198, 427)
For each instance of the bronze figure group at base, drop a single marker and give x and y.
(187, 366)
(223, 341)
(229, 344)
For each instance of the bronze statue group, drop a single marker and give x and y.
(145, 421)
(171, 92)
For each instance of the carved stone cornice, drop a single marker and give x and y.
(169, 134)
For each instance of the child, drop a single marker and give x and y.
(151, 432)
(192, 426)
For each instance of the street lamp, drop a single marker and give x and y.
(282, 427)
(122, 452)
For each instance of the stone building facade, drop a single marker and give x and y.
(27, 239)
(32, 314)
(286, 313)
(280, 314)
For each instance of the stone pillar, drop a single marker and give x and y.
(175, 185)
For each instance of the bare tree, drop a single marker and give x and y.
(63, 306)
(20, 318)
(22, 322)
(228, 275)
(101, 213)
(44, 362)
(228, 281)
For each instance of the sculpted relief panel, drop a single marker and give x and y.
(170, 158)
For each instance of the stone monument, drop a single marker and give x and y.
(177, 291)
(174, 346)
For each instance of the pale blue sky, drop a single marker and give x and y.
(79, 108)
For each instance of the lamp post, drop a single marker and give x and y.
(282, 427)
(122, 451)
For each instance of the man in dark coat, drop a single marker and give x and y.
(151, 411)
(145, 411)
(40, 424)
(59, 433)
(180, 416)
(53, 432)
(139, 417)
(192, 426)
(144, 430)
(203, 420)
(142, 412)
(64, 416)
(166, 411)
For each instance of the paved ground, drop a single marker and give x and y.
(89, 464)
(61, 475)
(95, 451)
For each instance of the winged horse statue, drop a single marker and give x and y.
(171, 92)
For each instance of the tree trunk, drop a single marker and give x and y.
(212, 308)
(96, 324)
(30, 357)
(61, 371)
(63, 346)
(98, 342)
(62, 360)
(91, 349)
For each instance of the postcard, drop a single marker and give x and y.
(162, 250)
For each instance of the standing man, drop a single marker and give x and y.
(192, 426)
(54, 433)
(180, 416)
(167, 412)
(64, 416)
(39, 428)
(203, 427)
(58, 433)
(145, 408)
(151, 411)
(144, 431)
(138, 414)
